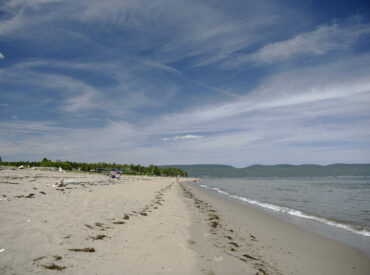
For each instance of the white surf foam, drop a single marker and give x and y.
(290, 211)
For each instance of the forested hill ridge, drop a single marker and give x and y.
(282, 170)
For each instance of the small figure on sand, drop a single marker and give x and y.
(115, 175)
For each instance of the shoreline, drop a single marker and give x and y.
(150, 225)
(330, 229)
(291, 249)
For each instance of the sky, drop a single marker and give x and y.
(185, 82)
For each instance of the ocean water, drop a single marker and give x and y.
(337, 208)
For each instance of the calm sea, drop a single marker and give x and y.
(337, 208)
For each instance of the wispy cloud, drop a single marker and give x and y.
(184, 137)
(323, 40)
(277, 119)
(182, 82)
(168, 31)
(1, 56)
(124, 93)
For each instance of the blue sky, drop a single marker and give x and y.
(183, 82)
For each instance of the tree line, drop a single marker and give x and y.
(128, 169)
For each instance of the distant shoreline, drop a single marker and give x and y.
(281, 170)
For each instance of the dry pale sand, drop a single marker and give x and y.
(149, 225)
(136, 225)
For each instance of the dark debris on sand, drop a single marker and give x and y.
(57, 258)
(118, 222)
(250, 257)
(98, 237)
(29, 196)
(54, 267)
(234, 248)
(86, 249)
(39, 258)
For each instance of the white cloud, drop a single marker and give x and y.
(304, 105)
(36, 139)
(184, 137)
(323, 40)
(345, 78)
(176, 30)
(28, 127)
(10, 25)
(1, 56)
(187, 137)
(173, 30)
(270, 136)
(21, 16)
(82, 97)
(320, 105)
(76, 95)
(127, 91)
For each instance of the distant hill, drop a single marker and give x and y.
(281, 170)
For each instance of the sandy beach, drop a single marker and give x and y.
(149, 225)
